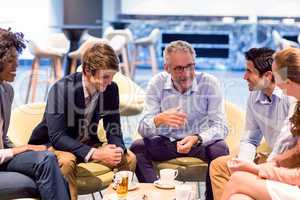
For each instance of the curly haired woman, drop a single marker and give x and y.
(28, 170)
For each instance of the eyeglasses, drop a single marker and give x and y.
(188, 67)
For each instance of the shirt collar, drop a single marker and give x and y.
(169, 84)
(262, 98)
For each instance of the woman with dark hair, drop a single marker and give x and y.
(28, 170)
(280, 178)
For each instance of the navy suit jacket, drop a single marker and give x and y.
(64, 115)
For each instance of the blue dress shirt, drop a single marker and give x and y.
(265, 117)
(203, 104)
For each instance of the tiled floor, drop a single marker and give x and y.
(234, 89)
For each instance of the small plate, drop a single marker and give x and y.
(158, 184)
(132, 186)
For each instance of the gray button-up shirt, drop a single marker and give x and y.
(203, 104)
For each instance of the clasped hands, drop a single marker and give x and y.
(110, 154)
(176, 118)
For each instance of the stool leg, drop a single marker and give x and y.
(55, 73)
(50, 78)
(33, 79)
(134, 61)
(73, 65)
(153, 59)
(58, 68)
(126, 61)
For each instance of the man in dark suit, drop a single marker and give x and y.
(75, 105)
(28, 170)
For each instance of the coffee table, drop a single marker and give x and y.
(144, 191)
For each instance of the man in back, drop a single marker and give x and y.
(183, 116)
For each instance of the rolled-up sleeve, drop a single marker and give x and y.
(5, 155)
(152, 107)
(252, 136)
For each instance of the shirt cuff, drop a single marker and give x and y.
(205, 138)
(247, 152)
(89, 155)
(7, 155)
(10, 153)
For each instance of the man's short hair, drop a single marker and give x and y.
(8, 42)
(178, 45)
(100, 56)
(262, 59)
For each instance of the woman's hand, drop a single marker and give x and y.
(239, 165)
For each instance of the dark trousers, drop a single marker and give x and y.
(160, 148)
(42, 167)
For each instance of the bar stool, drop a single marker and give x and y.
(148, 42)
(55, 49)
(76, 55)
(109, 33)
(282, 43)
(119, 44)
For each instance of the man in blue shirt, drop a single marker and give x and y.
(183, 115)
(267, 112)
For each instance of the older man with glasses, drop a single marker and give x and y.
(183, 115)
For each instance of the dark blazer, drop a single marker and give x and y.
(7, 96)
(6, 99)
(64, 115)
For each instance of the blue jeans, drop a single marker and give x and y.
(42, 168)
(15, 185)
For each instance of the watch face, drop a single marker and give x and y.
(199, 139)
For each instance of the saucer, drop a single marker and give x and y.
(158, 184)
(115, 197)
(132, 186)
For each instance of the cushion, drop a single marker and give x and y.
(91, 169)
(187, 161)
(90, 184)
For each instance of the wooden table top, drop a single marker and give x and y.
(144, 191)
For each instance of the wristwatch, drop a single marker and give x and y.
(200, 141)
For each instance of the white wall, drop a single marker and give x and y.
(212, 7)
(32, 17)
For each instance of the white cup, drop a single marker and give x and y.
(184, 192)
(167, 176)
(118, 176)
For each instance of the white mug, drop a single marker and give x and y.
(167, 176)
